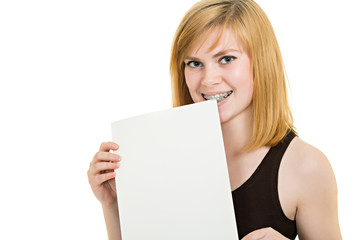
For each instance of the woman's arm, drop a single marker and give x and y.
(112, 221)
(317, 208)
(101, 176)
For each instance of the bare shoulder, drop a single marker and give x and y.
(304, 169)
(308, 163)
(316, 191)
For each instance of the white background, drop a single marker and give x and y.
(69, 68)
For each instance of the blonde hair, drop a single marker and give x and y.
(272, 117)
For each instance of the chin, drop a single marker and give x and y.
(223, 118)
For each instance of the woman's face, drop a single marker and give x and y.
(223, 73)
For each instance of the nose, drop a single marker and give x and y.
(211, 76)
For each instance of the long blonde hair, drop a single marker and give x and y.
(272, 117)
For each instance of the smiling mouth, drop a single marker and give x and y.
(217, 97)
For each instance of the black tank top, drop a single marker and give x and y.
(256, 202)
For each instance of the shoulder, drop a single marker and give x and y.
(315, 181)
(315, 189)
(307, 161)
(309, 166)
(304, 172)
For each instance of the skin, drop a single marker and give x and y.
(307, 186)
(101, 177)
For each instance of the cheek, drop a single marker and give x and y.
(251, 88)
(191, 80)
(248, 88)
(241, 79)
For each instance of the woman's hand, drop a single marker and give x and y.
(264, 234)
(101, 173)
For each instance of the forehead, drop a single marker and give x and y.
(214, 40)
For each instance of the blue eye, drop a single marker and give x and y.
(227, 59)
(194, 64)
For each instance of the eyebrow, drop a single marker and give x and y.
(221, 53)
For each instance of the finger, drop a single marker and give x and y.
(107, 146)
(106, 156)
(255, 235)
(104, 166)
(101, 178)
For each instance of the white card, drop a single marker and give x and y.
(173, 181)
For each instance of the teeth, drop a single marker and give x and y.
(218, 97)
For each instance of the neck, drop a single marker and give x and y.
(237, 133)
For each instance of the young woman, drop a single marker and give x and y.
(281, 186)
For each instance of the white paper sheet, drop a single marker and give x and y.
(173, 180)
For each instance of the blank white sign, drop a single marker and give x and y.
(173, 180)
